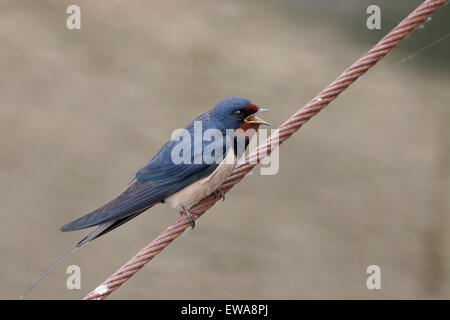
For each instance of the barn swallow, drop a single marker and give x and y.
(181, 185)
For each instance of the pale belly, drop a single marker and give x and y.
(202, 188)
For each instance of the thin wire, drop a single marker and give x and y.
(405, 59)
(294, 123)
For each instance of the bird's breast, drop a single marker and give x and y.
(202, 188)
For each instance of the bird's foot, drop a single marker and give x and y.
(190, 216)
(219, 192)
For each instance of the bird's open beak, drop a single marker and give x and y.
(256, 120)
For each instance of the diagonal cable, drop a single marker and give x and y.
(320, 101)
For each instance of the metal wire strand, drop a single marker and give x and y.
(320, 101)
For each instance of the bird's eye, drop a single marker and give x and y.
(238, 113)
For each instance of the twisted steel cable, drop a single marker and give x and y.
(320, 101)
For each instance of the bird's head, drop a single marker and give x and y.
(237, 113)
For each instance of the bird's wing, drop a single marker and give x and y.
(160, 178)
(138, 195)
(134, 197)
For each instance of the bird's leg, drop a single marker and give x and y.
(219, 191)
(190, 216)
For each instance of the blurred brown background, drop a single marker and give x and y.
(365, 182)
